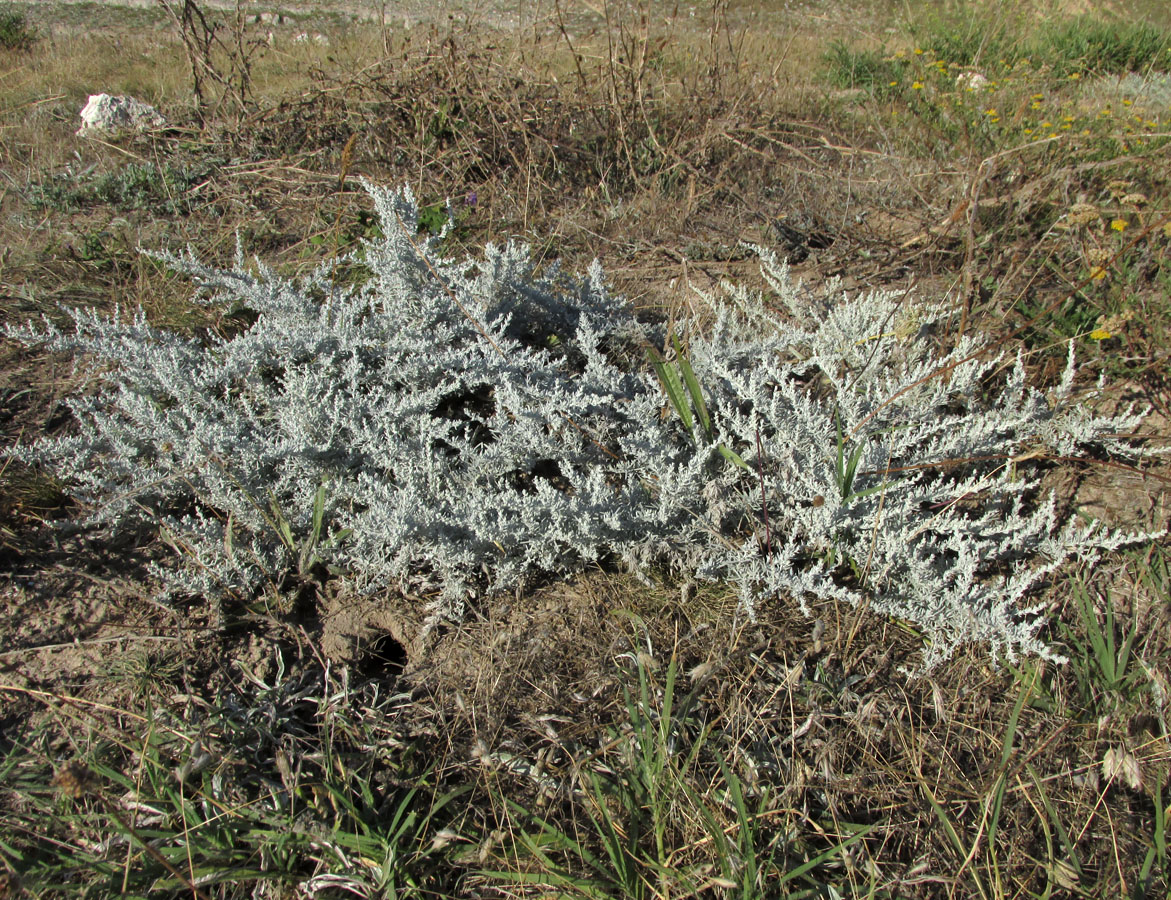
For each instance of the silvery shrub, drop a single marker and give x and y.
(453, 428)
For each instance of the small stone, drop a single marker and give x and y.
(971, 81)
(105, 113)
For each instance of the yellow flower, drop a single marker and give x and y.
(1046, 124)
(1028, 131)
(1100, 334)
(918, 52)
(1127, 102)
(1119, 224)
(1097, 273)
(893, 83)
(1036, 104)
(1067, 118)
(1038, 97)
(994, 119)
(1075, 75)
(918, 86)
(990, 112)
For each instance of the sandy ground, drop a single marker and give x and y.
(578, 16)
(396, 13)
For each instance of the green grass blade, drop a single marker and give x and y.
(858, 495)
(622, 852)
(851, 470)
(733, 457)
(840, 459)
(1158, 848)
(673, 388)
(1160, 835)
(1006, 752)
(694, 389)
(283, 529)
(944, 819)
(666, 723)
(747, 835)
(318, 513)
(1094, 630)
(829, 854)
(559, 838)
(1067, 845)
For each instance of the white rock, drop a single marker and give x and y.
(105, 113)
(972, 81)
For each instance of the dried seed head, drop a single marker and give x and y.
(1083, 214)
(1119, 764)
(73, 779)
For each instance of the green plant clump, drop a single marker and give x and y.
(1098, 47)
(135, 186)
(15, 31)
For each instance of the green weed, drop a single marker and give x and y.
(847, 67)
(136, 186)
(1095, 46)
(686, 396)
(310, 551)
(1155, 861)
(268, 793)
(968, 42)
(1101, 648)
(642, 814)
(16, 33)
(986, 875)
(1020, 96)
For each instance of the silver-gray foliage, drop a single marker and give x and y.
(451, 428)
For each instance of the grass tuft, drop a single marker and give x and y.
(16, 32)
